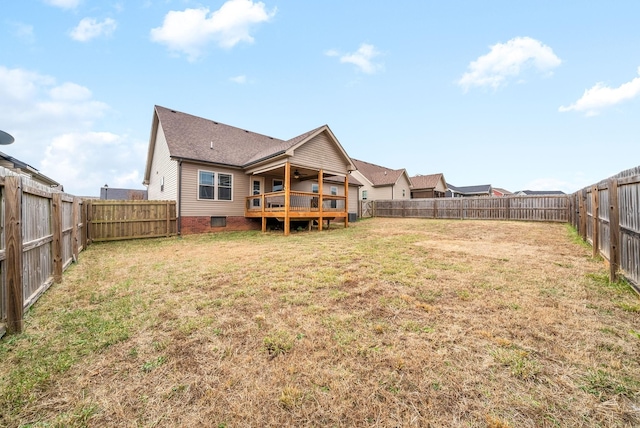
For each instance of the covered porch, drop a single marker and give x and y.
(289, 204)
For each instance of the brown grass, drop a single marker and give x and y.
(392, 322)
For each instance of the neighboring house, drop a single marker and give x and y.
(27, 170)
(380, 183)
(107, 192)
(468, 191)
(539, 192)
(428, 186)
(497, 191)
(227, 178)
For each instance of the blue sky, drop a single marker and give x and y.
(539, 95)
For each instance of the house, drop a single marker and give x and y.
(468, 191)
(428, 186)
(381, 183)
(227, 178)
(112, 193)
(497, 191)
(539, 192)
(27, 170)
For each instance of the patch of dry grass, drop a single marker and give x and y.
(392, 322)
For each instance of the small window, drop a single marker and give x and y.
(364, 195)
(224, 187)
(206, 185)
(218, 222)
(278, 185)
(403, 193)
(315, 188)
(334, 192)
(162, 185)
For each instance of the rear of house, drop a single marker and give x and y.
(227, 178)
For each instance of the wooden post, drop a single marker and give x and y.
(435, 208)
(594, 224)
(13, 253)
(56, 225)
(346, 201)
(168, 220)
(74, 230)
(264, 218)
(614, 230)
(508, 208)
(287, 197)
(320, 201)
(582, 225)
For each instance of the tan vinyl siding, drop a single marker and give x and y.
(162, 166)
(403, 184)
(353, 199)
(320, 152)
(441, 186)
(192, 206)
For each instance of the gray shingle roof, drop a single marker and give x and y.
(196, 138)
(376, 174)
(429, 181)
(471, 190)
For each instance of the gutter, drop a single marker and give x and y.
(179, 196)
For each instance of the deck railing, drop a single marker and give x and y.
(298, 202)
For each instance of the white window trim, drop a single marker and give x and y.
(215, 186)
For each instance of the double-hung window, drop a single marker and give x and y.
(224, 187)
(206, 181)
(215, 186)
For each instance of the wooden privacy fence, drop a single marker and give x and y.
(111, 220)
(41, 233)
(529, 208)
(607, 215)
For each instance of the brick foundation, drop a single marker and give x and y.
(192, 225)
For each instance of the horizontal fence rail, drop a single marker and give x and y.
(554, 208)
(298, 201)
(42, 233)
(111, 220)
(607, 215)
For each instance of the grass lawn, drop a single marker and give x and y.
(391, 322)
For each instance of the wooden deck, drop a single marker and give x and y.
(287, 206)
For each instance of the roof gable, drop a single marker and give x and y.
(379, 175)
(429, 181)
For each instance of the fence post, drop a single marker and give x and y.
(168, 221)
(13, 253)
(85, 226)
(583, 215)
(614, 230)
(74, 231)
(594, 224)
(56, 213)
(435, 208)
(88, 208)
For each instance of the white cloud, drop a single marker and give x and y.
(362, 58)
(23, 32)
(600, 97)
(64, 4)
(90, 28)
(77, 160)
(190, 31)
(54, 127)
(239, 79)
(509, 60)
(70, 92)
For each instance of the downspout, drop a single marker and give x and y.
(180, 197)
